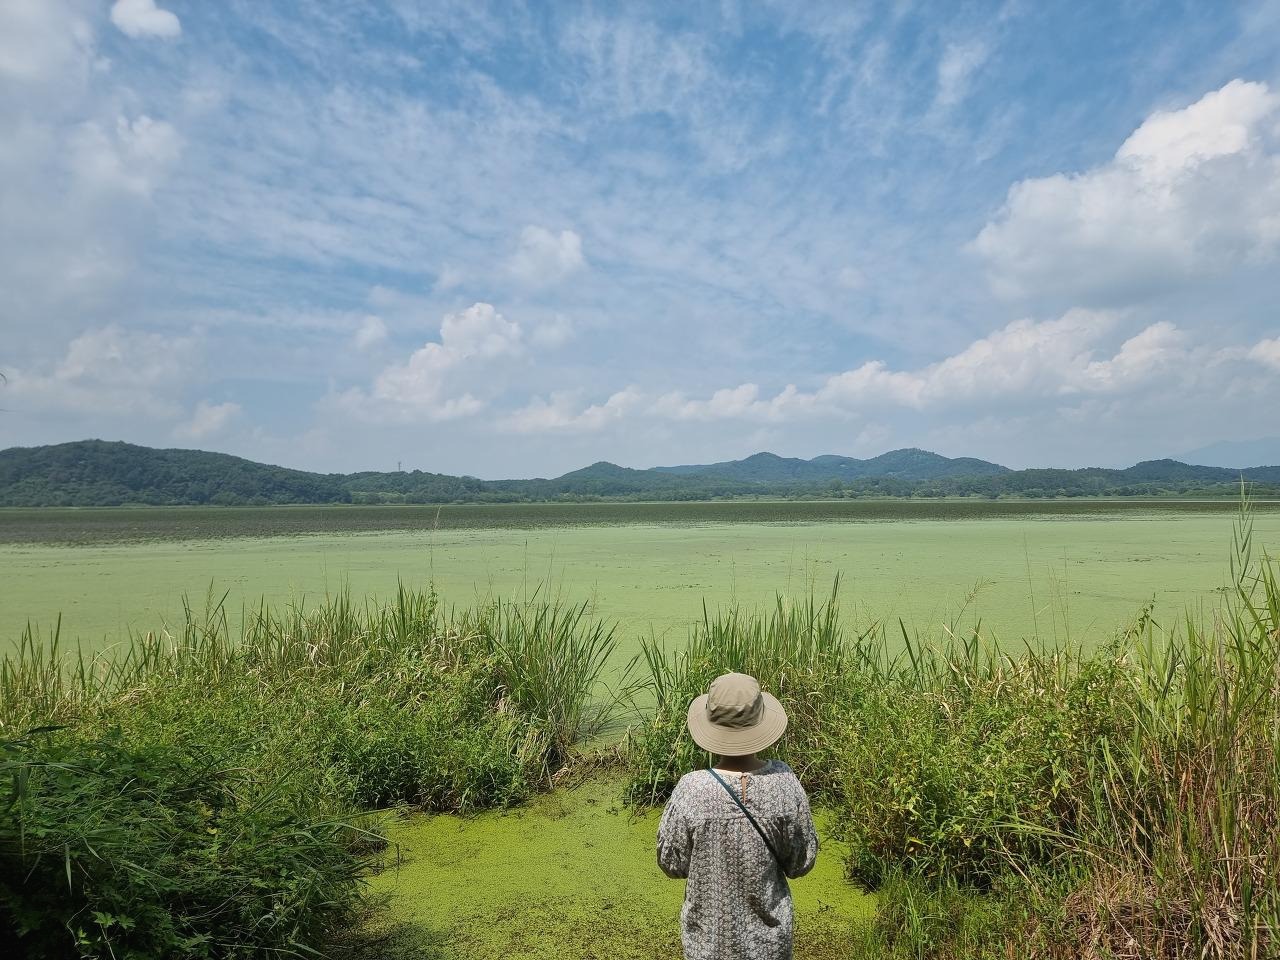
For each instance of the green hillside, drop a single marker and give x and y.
(101, 473)
(908, 464)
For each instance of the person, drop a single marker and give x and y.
(737, 830)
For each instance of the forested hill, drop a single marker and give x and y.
(100, 473)
(910, 464)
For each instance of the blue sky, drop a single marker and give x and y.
(512, 240)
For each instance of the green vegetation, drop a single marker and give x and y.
(1051, 569)
(98, 473)
(1058, 802)
(113, 848)
(213, 793)
(201, 795)
(112, 525)
(571, 874)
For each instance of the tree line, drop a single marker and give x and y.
(98, 473)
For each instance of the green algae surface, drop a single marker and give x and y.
(1037, 573)
(573, 874)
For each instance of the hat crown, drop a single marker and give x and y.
(734, 700)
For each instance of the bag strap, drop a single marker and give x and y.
(741, 806)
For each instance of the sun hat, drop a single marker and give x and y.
(735, 717)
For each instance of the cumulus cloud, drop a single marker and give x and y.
(430, 385)
(1057, 360)
(1024, 357)
(1191, 193)
(742, 402)
(142, 18)
(207, 419)
(544, 258)
(1267, 352)
(559, 413)
(111, 370)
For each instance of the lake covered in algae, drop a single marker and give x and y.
(573, 874)
(1049, 568)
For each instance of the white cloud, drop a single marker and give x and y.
(449, 277)
(112, 371)
(1026, 361)
(960, 61)
(544, 258)
(423, 387)
(742, 402)
(1191, 193)
(132, 156)
(142, 18)
(1025, 357)
(371, 332)
(634, 67)
(42, 40)
(558, 413)
(1159, 347)
(553, 333)
(80, 161)
(478, 331)
(207, 419)
(1267, 352)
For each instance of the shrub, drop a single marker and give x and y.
(965, 777)
(112, 850)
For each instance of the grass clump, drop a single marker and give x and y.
(798, 650)
(1184, 819)
(228, 794)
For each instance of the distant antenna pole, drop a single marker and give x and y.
(399, 469)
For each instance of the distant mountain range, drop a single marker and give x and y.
(909, 464)
(101, 473)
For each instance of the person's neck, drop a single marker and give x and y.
(745, 764)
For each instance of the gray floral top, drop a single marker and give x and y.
(737, 904)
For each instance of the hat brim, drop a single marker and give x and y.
(737, 741)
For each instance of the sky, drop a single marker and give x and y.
(512, 240)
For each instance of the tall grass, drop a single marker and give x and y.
(1121, 800)
(1184, 822)
(548, 659)
(799, 650)
(217, 779)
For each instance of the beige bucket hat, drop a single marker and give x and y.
(735, 717)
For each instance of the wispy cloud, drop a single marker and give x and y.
(207, 420)
(649, 232)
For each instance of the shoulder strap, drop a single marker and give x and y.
(741, 806)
